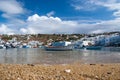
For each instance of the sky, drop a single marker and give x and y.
(59, 16)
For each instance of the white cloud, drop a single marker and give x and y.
(107, 26)
(113, 5)
(77, 7)
(50, 13)
(23, 30)
(33, 18)
(5, 30)
(6, 15)
(49, 24)
(11, 10)
(43, 24)
(11, 7)
(97, 31)
(117, 14)
(86, 5)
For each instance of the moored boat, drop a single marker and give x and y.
(62, 48)
(59, 46)
(2, 46)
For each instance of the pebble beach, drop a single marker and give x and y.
(60, 71)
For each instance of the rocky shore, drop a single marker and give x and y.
(60, 72)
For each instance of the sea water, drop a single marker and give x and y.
(40, 56)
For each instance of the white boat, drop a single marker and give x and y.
(2, 46)
(59, 46)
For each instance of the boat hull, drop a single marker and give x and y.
(64, 48)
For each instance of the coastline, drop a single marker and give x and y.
(75, 71)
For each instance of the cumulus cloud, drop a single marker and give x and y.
(12, 11)
(97, 31)
(44, 24)
(5, 30)
(11, 7)
(50, 13)
(107, 26)
(49, 24)
(23, 30)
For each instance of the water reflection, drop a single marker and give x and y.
(39, 56)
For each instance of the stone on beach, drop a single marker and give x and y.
(68, 70)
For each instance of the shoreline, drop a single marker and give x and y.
(75, 71)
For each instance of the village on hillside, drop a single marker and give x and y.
(39, 40)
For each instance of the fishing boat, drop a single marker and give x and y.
(59, 46)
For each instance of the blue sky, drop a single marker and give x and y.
(59, 16)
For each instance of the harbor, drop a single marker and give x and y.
(87, 58)
(87, 49)
(59, 39)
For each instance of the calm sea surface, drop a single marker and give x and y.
(39, 56)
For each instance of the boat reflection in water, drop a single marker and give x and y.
(93, 47)
(59, 46)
